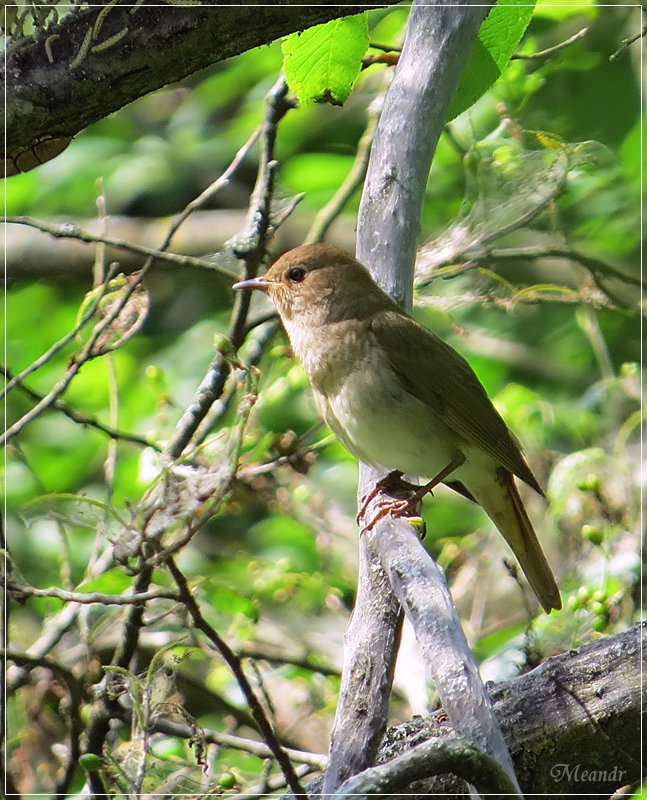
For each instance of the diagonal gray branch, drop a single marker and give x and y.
(437, 44)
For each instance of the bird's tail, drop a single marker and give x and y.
(504, 507)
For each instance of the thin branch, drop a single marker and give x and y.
(554, 49)
(250, 246)
(434, 757)
(74, 366)
(208, 193)
(21, 592)
(255, 349)
(595, 265)
(252, 746)
(77, 698)
(80, 417)
(263, 652)
(353, 181)
(470, 258)
(261, 789)
(625, 43)
(107, 707)
(195, 526)
(61, 343)
(235, 665)
(71, 231)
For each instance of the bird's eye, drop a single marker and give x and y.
(296, 274)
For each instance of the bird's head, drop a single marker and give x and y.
(319, 283)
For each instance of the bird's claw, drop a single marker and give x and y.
(399, 498)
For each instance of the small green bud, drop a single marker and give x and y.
(227, 780)
(629, 369)
(583, 594)
(593, 534)
(573, 602)
(600, 624)
(590, 484)
(91, 762)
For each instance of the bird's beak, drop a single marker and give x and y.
(260, 282)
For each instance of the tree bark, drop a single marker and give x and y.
(48, 103)
(572, 726)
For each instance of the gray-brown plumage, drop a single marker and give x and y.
(398, 397)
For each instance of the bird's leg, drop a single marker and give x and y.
(403, 497)
(426, 488)
(389, 483)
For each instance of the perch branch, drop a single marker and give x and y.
(437, 43)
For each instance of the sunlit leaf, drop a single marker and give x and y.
(322, 63)
(498, 37)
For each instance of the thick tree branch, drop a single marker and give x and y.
(161, 45)
(571, 725)
(435, 51)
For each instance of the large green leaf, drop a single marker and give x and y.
(498, 37)
(322, 63)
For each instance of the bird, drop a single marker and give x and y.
(398, 397)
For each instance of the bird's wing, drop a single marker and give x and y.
(437, 375)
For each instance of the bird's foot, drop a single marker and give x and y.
(391, 496)
(396, 497)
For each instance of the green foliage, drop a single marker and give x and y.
(259, 515)
(498, 38)
(322, 63)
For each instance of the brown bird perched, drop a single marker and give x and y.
(398, 397)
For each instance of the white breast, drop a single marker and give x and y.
(383, 425)
(365, 405)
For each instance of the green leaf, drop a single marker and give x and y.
(322, 63)
(228, 600)
(112, 581)
(498, 37)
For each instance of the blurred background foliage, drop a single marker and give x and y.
(274, 570)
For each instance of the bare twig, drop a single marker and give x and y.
(329, 213)
(234, 663)
(264, 652)
(22, 592)
(252, 746)
(70, 231)
(60, 344)
(625, 43)
(76, 694)
(470, 258)
(254, 350)
(107, 707)
(80, 417)
(554, 49)
(250, 246)
(87, 353)
(222, 181)
(597, 267)
(261, 789)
